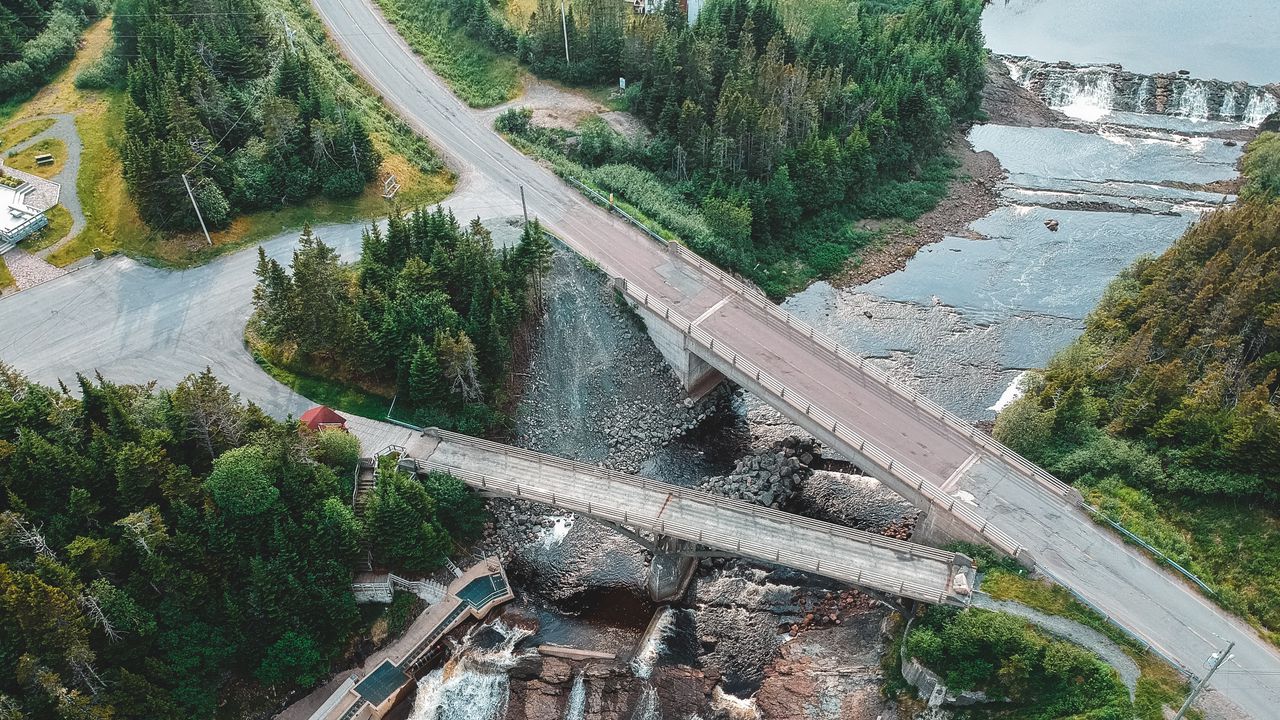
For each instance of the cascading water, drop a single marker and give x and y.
(577, 705)
(1228, 109)
(733, 707)
(1193, 103)
(1143, 96)
(1087, 95)
(647, 708)
(473, 684)
(1261, 105)
(653, 645)
(555, 534)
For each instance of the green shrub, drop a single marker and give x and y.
(1003, 656)
(338, 449)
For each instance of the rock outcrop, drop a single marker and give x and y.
(769, 477)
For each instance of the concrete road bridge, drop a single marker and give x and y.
(702, 520)
(970, 486)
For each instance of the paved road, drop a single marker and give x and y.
(859, 558)
(1161, 609)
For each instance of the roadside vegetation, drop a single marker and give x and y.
(1025, 673)
(92, 88)
(993, 652)
(1166, 412)
(37, 39)
(163, 550)
(6, 278)
(480, 68)
(774, 126)
(429, 315)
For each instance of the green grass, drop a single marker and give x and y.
(1159, 684)
(6, 280)
(323, 391)
(477, 74)
(58, 227)
(1232, 545)
(22, 131)
(112, 222)
(26, 160)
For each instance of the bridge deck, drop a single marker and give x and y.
(859, 558)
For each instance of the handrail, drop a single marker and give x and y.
(841, 571)
(910, 394)
(935, 495)
(643, 483)
(612, 207)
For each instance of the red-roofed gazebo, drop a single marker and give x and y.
(321, 418)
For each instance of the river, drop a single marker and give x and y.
(1138, 161)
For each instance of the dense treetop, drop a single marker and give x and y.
(1180, 362)
(156, 545)
(429, 311)
(217, 93)
(38, 37)
(772, 132)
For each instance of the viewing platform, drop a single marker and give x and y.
(387, 677)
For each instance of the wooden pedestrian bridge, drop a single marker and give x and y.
(712, 522)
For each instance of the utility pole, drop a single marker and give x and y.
(1218, 659)
(524, 207)
(191, 195)
(564, 26)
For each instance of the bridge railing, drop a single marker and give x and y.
(931, 492)
(578, 468)
(910, 395)
(841, 571)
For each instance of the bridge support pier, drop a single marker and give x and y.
(696, 375)
(670, 570)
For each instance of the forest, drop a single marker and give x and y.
(228, 101)
(38, 38)
(158, 545)
(770, 136)
(430, 314)
(1167, 410)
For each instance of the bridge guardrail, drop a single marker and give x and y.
(918, 400)
(842, 571)
(935, 495)
(758, 511)
(911, 395)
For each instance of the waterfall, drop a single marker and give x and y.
(1261, 105)
(1228, 109)
(1194, 101)
(577, 706)
(733, 707)
(1086, 95)
(473, 684)
(553, 535)
(653, 644)
(647, 708)
(1144, 94)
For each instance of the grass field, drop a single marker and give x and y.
(19, 132)
(26, 160)
(58, 227)
(6, 280)
(336, 395)
(477, 74)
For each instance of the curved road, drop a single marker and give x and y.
(1125, 584)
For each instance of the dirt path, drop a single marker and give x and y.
(63, 129)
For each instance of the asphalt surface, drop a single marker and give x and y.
(1125, 585)
(135, 324)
